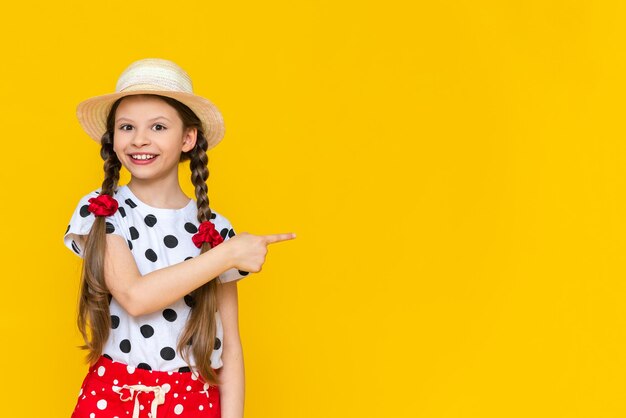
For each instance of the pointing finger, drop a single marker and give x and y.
(272, 238)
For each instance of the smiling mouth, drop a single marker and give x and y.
(142, 157)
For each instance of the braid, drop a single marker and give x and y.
(112, 165)
(94, 296)
(200, 330)
(199, 176)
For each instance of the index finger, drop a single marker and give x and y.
(272, 238)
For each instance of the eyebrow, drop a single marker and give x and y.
(149, 120)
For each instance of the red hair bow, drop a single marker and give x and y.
(207, 233)
(103, 205)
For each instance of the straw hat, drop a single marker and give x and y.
(152, 76)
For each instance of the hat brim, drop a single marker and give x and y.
(92, 113)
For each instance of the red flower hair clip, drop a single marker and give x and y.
(207, 233)
(103, 205)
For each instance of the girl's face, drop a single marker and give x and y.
(148, 137)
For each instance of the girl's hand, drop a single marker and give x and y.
(248, 250)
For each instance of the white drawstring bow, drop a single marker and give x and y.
(159, 396)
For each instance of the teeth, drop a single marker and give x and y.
(142, 156)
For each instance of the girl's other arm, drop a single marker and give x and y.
(141, 295)
(232, 390)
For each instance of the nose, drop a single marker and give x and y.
(140, 138)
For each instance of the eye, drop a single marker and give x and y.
(123, 126)
(159, 125)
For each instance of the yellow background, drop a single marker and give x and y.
(454, 172)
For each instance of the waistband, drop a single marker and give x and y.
(117, 374)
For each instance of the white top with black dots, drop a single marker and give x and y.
(157, 238)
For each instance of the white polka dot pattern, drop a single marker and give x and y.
(102, 404)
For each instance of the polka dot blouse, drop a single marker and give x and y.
(157, 238)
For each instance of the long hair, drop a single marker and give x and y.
(198, 336)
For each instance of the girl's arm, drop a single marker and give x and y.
(232, 390)
(141, 295)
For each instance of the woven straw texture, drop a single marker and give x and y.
(153, 76)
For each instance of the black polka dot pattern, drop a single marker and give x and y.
(84, 211)
(147, 331)
(144, 366)
(151, 255)
(107, 356)
(150, 220)
(168, 353)
(170, 241)
(170, 315)
(157, 238)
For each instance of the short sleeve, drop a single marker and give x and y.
(233, 274)
(80, 224)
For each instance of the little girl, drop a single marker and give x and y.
(161, 335)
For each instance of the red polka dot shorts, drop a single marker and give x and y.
(114, 390)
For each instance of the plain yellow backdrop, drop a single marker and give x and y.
(454, 172)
